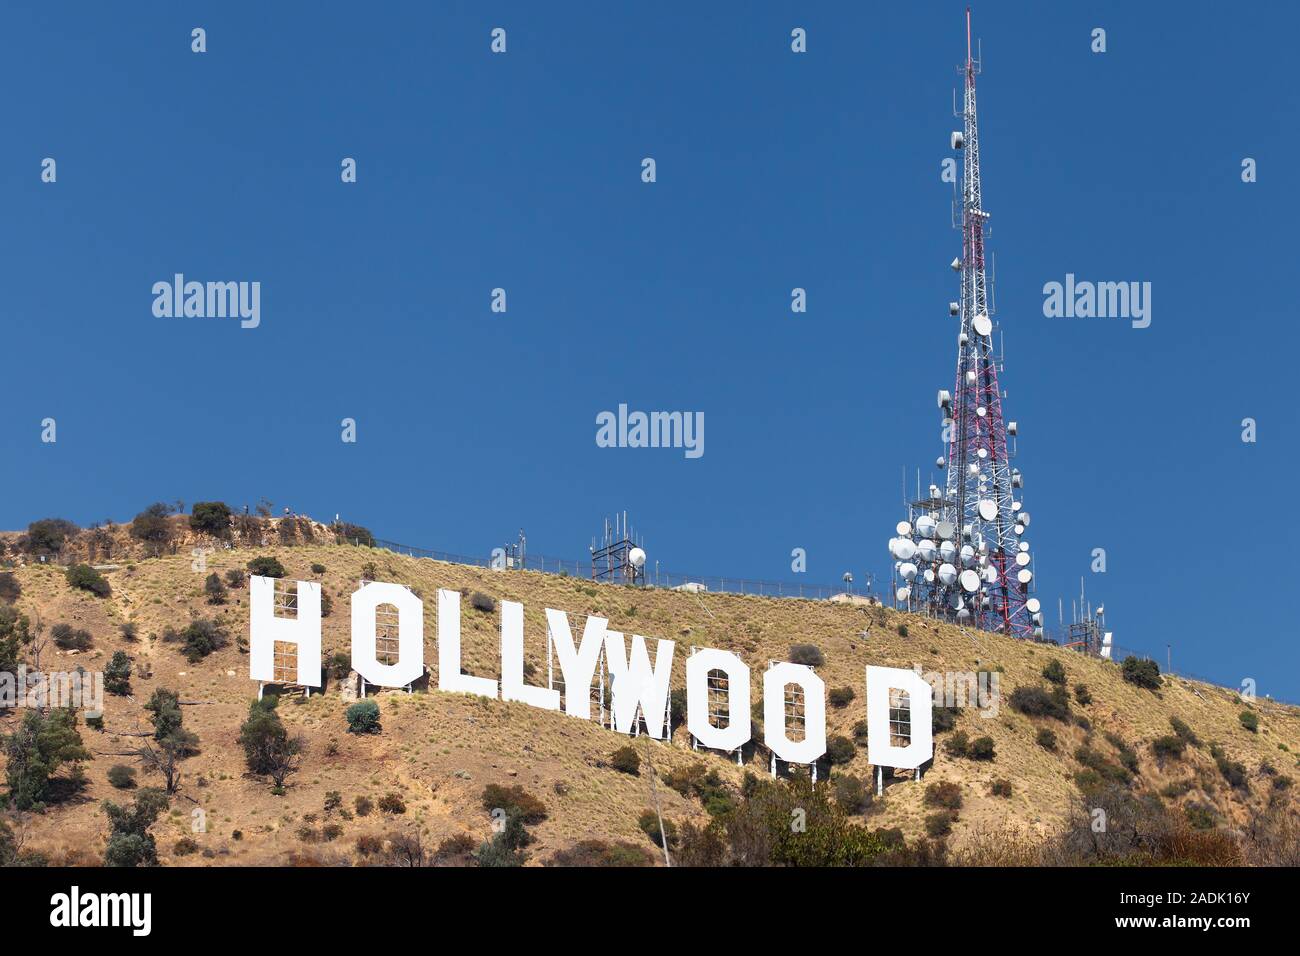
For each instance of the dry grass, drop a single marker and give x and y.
(439, 750)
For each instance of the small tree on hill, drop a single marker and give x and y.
(268, 748)
(211, 517)
(214, 589)
(36, 751)
(117, 674)
(266, 567)
(1143, 673)
(129, 841)
(85, 578)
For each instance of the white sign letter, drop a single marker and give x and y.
(698, 666)
(775, 681)
(264, 629)
(881, 751)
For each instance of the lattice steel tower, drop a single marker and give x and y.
(960, 554)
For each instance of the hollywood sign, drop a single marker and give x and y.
(637, 686)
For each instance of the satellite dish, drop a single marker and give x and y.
(956, 602)
(963, 615)
(637, 557)
(903, 594)
(967, 555)
(1022, 559)
(947, 551)
(970, 581)
(1023, 518)
(947, 574)
(903, 528)
(970, 377)
(1036, 618)
(954, 308)
(956, 265)
(1024, 575)
(962, 339)
(1018, 529)
(929, 576)
(902, 549)
(1015, 505)
(907, 571)
(1033, 605)
(1012, 428)
(939, 463)
(945, 529)
(990, 574)
(925, 549)
(958, 139)
(925, 526)
(983, 325)
(981, 411)
(988, 508)
(1024, 545)
(944, 398)
(982, 453)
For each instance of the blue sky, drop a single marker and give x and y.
(775, 170)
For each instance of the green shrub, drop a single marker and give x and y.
(841, 697)
(1200, 817)
(939, 824)
(71, 639)
(958, 745)
(942, 719)
(184, 847)
(515, 801)
(981, 748)
(266, 567)
(649, 824)
(211, 517)
(234, 579)
(599, 853)
(1046, 739)
(839, 750)
(48, 536)
(152, 526)
(809, 655)
(1250, 720)
(85, 578)
(364, 805)
(353, 534)
(482, 602)
(1082, 694)
(121, 777)
(1168, 747)
(852, 794)
(1184, 732)
(317, 568)
(199, 639)
(1039, 702)
(117, 674)
(1054, 672)
(363, 717)
(392, 803)
(214, 589)
(626, 760)
(1000, 787)
(1143, 673)
(945, 794)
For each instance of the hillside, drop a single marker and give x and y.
(439, 751)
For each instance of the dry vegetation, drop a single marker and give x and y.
(438, 751)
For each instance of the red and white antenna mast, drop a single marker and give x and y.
(962, 555)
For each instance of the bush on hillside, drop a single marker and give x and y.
(211, 517)
(1142, 673)
(85, 578)
(266, 567)
(809, 655)
(363, 717)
